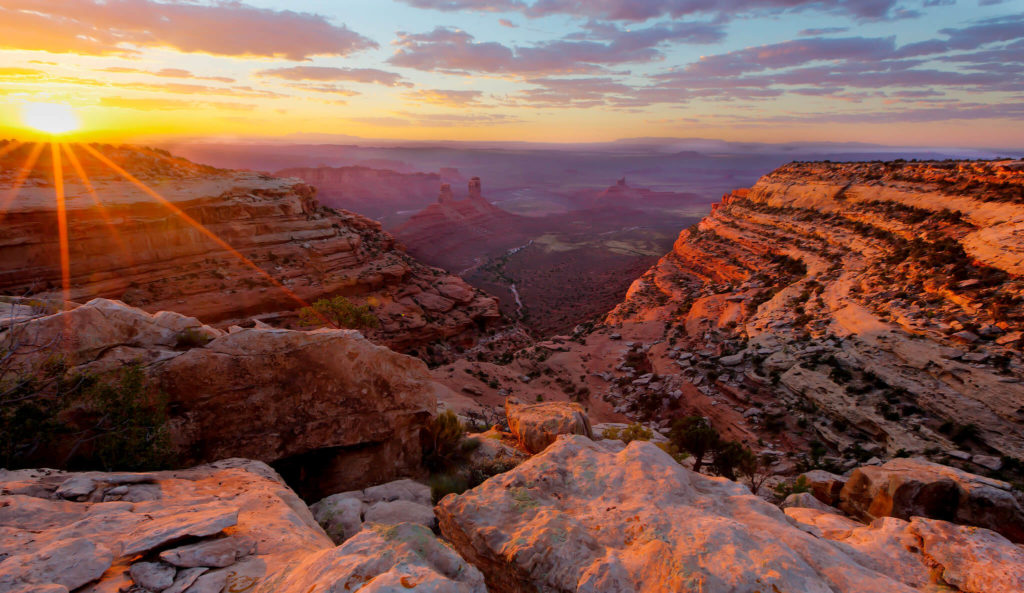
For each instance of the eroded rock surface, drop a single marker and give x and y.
(331, 409)
(247, 531)
(593, 517)
(538, 425)
(224, 245)
(906, 488)
(343, 515)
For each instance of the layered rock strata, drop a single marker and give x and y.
(224, 245)
(877, 304)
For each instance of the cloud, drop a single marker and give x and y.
(456, 51)
(822, 31)
(324, 88)
(14, 72)
(643, 10)
(227, 28)
(327, 73)
(161, 104)
(446, 98)
(438, 120)
(507, 23)
(165, 73)
(793, 53)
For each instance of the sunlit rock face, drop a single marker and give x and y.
(908, 488)
(332, 410)
(589, 516)
(881, 303)
(226, 245)
(232, 525)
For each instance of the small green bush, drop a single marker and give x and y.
(339, 312)
(784, 489)
(191, 338)
(633, 432)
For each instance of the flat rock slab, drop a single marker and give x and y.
(214, 553)
(70, 564)
(591, 517)
(200, 522)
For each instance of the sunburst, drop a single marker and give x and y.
(56, 151)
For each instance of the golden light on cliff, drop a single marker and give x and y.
(53, 118)
(57, 150)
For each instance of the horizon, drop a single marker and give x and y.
(928, 74)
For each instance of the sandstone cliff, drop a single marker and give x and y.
(874, 303)
(279, 247)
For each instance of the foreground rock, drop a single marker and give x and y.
(329, 408)
(403, 501)
(593, 517)
(538, 425)
(906, 488)
(228, 526)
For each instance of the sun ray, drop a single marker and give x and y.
(26, 169)
(197, 225)
(14, 145)
(84, 177)
(62, 222)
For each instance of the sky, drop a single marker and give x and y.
(945, 73)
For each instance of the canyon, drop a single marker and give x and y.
(857, 309)
(222, 246)
(858, 326)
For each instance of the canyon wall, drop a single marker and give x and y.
(875, 307)
(224, 246)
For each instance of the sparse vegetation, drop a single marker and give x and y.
(339, 312)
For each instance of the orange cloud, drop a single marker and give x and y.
(104, 27)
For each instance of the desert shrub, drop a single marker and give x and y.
(191, 338)
(633, 432)
(784, 489)
(732, 457)
(673, 450)
(115, 421)
(444, 442)
(442, 485)
(696, 436)
(339, 312)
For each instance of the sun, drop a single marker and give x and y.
(52, 118)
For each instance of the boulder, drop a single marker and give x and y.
(105, 543)
(341, 515)
(271, 544)
(155, 576)
(927, 554)
(907, 487)
(825, 486)
(330, 409)
(215, 553)
(384, 559)
(596, 516)
(403, 501)
(538, 425)
(806, 500)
